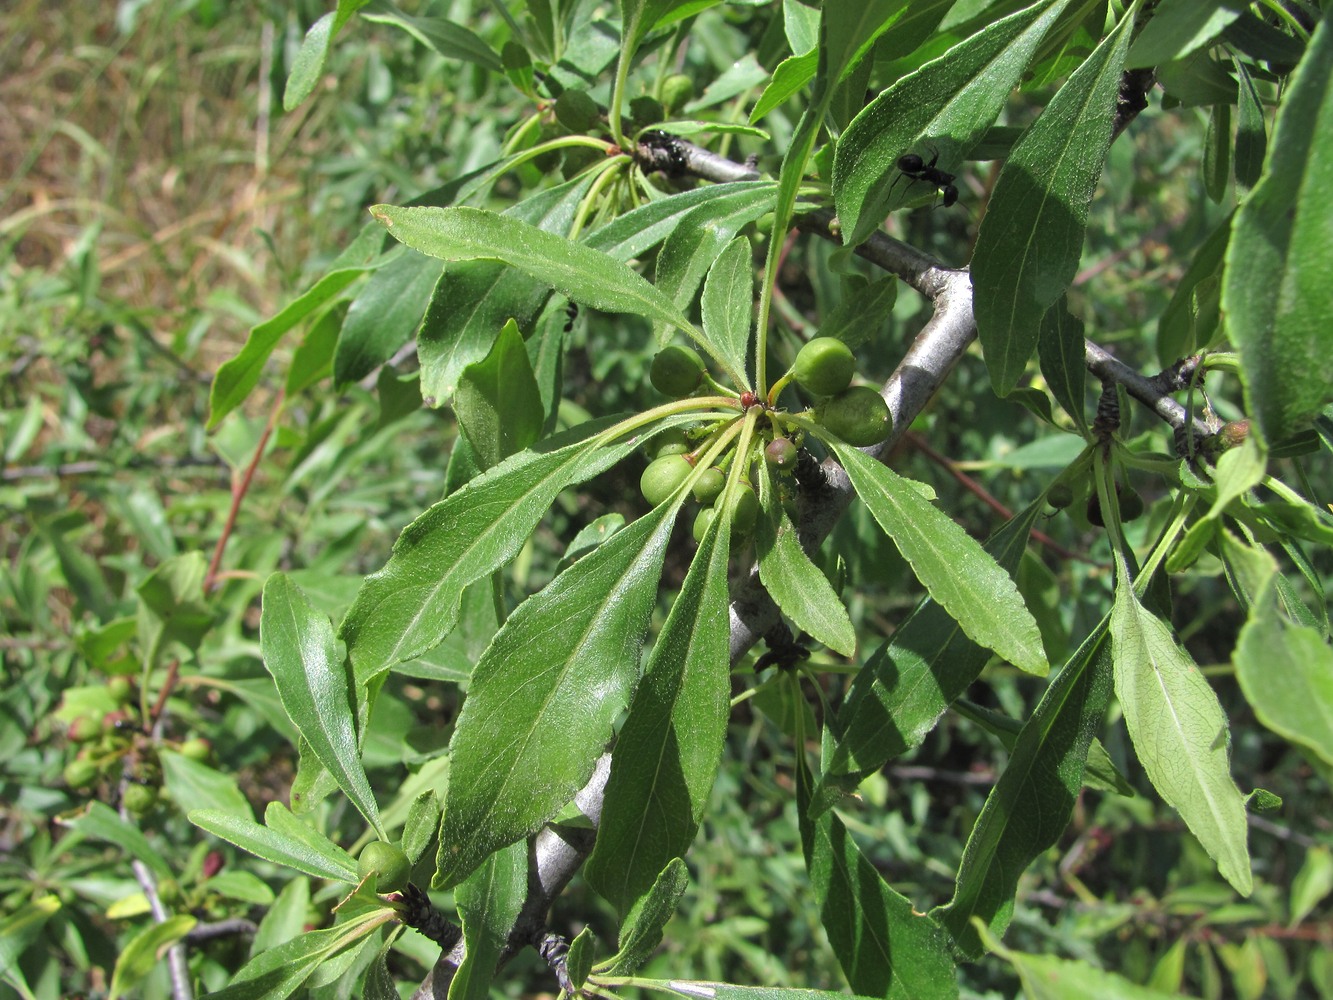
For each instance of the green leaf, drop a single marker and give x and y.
(498, 404)
(583, 274)
(954, 568)
(1251, 134)
(639, 230)
(668, 750)
(1179, 732)
(909, 682)
(489, 902)
(1277, 290)
(862, 314)
(796, 584)
(140, 953)
(1286, 672)
(725, 991)
(453, 41)
(849, 28)
(1179, 27)
(1312, 883)
(315, 687)
(1181, 330)
(311, 853)
(279, 972)
(948, 103)
(172, 606)
(384, 316)
(193, 785)
(1029, 807)
(423, 819)
(727, 304)
(309, 62)
(18, 929)
(100, 822)
(553, 680)
(641, 930)
(236, 378)
(1217, 152)
(1060, 350)
(697, 241)
(1031, 239)
(792, 74)
(474, 298)
(885, 946)
(409, 606)
(1047, 978)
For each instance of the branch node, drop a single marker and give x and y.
(554, 950)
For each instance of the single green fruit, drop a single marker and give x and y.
(120, 690)
(677, 371)
(781, 453)
(744, 510)
(645, 111)
(1060, 496)
(662, 477)
(139, 799)
(576, 110)
(677, 91)
(671, 443)
(196, 748)
(84, 729)
(80, 773)
(701, 522)
(824, 366)
(1131, 504)
(857, 415)
(387, 863)
(708, 487)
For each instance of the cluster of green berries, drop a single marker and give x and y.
(824, 368)
(675, 462)
(115, 746)
(856, 413)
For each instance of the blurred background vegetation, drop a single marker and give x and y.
(155, 203)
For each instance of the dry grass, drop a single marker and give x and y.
(169, 143)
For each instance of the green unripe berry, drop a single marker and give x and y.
(781, 453)
(1060, 496)
(708, 487)
(645, 111)
(1131, 505)
(744, 510)
(858, 415)
(80, 773)
(824, 366)
(663, 476)
(119, 689)
(387, 863)
(670, 443)
(701, 522)
(196, 748)
(576, 110)
(84, 729)
(677, 371)
(139, 800)
(677, 91)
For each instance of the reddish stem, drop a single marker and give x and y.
(238, 491)
(979, 491)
